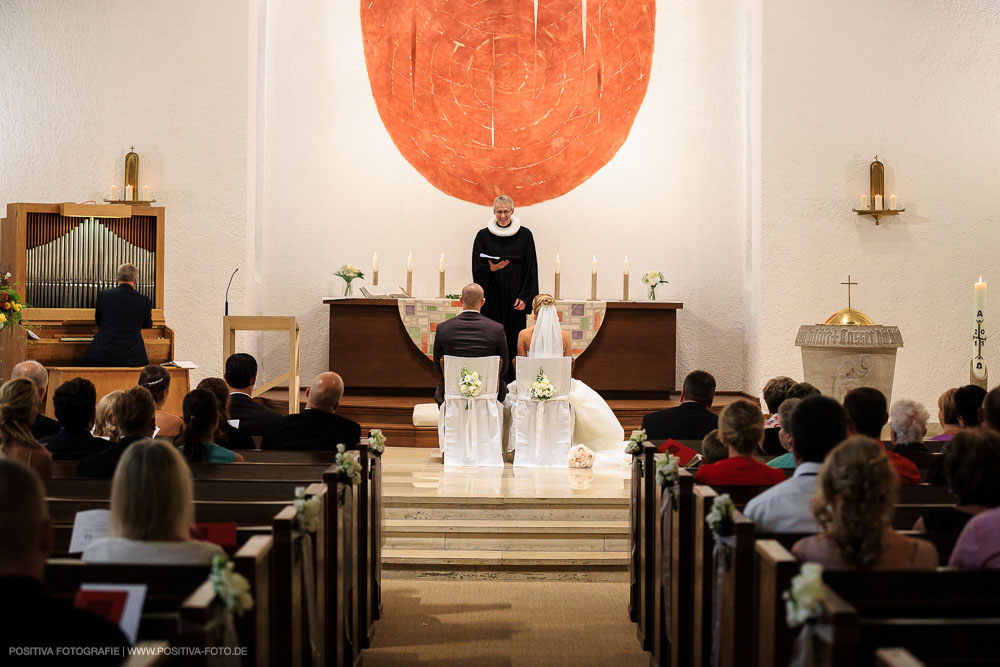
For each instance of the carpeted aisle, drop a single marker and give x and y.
(474, 622)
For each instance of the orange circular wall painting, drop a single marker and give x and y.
(523, 97)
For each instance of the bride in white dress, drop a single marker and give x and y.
(595, 423)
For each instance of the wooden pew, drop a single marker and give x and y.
(283, 456)
(645, 498)
(204, 489)
(296, 472)
(635, 523)
(342, 617)
(243, 512)
(672, 592)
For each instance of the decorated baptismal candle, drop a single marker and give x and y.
(979, 332)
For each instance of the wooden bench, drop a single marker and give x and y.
(243, 512)
(296, 472)
(204, 489)
(342, 617)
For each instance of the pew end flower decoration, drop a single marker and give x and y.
(348, 466)
(11, 303)
(653, 279)
(307, 510)
(720, 518)
(804, 600)
(667, 470)
(581, 456)
(349, 273)
(376, 442)
(230, 586)
(541, 388)
(634, 444)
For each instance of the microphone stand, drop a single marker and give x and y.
(227, 289)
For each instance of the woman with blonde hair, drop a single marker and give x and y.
(947, 415)
(741, 429)
(152, 510)
(18, 408)
(854, 503)
(157, 380)
(104, 420)
(595, 424)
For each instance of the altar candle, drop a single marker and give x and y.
(409, 263)
(441, 290)
(593, 266)
(555, 292)
(979, 315)
(864, 203)
(557, 263)
(114, 193)
(128, 193)
(375, 269)
(878, 202)
(626, 265)
(409, 275)
(892, 202)
(442, 263)
(625, 282)
(145, 193)
(593, 280)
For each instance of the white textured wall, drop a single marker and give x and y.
(80, 82)
(336, 189)
(915, 82)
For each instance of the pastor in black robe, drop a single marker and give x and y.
(517, 280)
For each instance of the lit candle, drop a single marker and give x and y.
(114, 193)
(878, 202)
(441, 289)
(978, 339)
(593, 280)
(128, 193)
(375, 269)
(625, 282)
(555, 292)
(626, 265)
(442, 263)
(593, 266)
(864, 203)
(409, 263)
(145, 193)
(409, 275)
(892, 202)
(557, 263)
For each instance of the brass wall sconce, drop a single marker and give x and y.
(875, 204)
(131, 194)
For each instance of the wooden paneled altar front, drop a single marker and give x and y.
(633, 354)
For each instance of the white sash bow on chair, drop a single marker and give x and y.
(540, 420)
(472, 423)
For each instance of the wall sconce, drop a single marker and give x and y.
(875, 204)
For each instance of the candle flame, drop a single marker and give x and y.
(980, 277)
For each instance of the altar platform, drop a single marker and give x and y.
(503, 523)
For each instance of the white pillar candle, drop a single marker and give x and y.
(892, 202)
(409, 262)
(979, 315)
(626, 265)
(864, 203)
(441, 264)
(114, 193)
(128, 193)
(375, 261)
(557, 263)
(878, 202)
(145, 193)
(593, 266)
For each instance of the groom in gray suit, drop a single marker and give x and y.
(470, 334)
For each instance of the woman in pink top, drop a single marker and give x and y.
(854, 503)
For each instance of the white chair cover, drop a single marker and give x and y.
(541, 431)
(469, 430)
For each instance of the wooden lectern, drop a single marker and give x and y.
(233, 323)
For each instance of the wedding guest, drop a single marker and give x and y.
(18, 406)
(867, 413)
(803, 390)
(248, 415)
(972, 467)
(43, 426)
(157, 380)
(135, 415)
(787, 460)
(947, 415)
(693, 418)
(712, 448)
(853, 505)
(225, 433)
(775, 391)
(28, 616)
(318, 427)
(968, 404)
(152, 510)
(74, 402)
(907, 428)
(978, 547)
(989, 411)
(201, 418)
(104, 421)
(820, 424)
(741, 428)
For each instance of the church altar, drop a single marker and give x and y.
(623, 349)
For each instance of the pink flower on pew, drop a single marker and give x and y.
(804, 600)
(230, 586)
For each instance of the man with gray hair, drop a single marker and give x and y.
(907, 428)
(505, 265)
(121, 314)
(34, 371)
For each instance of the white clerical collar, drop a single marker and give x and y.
(513, 228)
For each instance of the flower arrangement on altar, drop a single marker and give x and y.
(348, 466)
(804, 601)
(230, 586)
(634, 444)
(541, 388)
(653, 279)
(581, 456)
(10, 303)
(349, 272)
(469, 384)
(306, 511)
(376, 442)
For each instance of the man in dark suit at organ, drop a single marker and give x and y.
(470, 334)
(318, 427)
(121, 315)
(246, 414)
(692, 419)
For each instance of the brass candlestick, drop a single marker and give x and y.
(409, 282)
(441, 290)
(625, 287)
(593, 286)
(556, 290)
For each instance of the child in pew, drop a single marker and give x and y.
(29, 617)
(972, 468)
(712, 448)
(201, 420)
(855, 495)
(741, 429)
(152, 510)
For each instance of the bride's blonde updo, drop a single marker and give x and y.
(542, 300)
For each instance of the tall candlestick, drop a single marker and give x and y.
(557, 263)
(593, 266)
(626, 265)
(128, 193)
(409, 275)
(114, 193)
(145, 193)
(556, 290)
(593, 286)
(625, 287)
(979, 371)
(441, 291)
(375, 269)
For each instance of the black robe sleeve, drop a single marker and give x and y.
(481, 273)
(529, 274)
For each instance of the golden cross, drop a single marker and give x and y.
(848, 283)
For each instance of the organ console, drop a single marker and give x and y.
(60, 256)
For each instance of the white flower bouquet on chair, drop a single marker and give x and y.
(541, 415)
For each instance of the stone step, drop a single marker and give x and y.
(491, 535)
(505, 509)
(499, 564)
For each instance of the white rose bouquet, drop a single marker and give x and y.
(634, 444)
(231, 586)
(804, 600)
(581, 456)
(350, 469)
(376, 442)
(653, 279)
(541, 388)
(306, 511)
(720, 518)
(470, 384)
(349, 272)
(667, 470)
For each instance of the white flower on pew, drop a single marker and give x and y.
(376, 442)
(581, 456)
(306, 511)
(350, 468)
(804, 600)
(667, 470)
(634, 444)
(541, 388)
(231, 586)
(720, 518)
